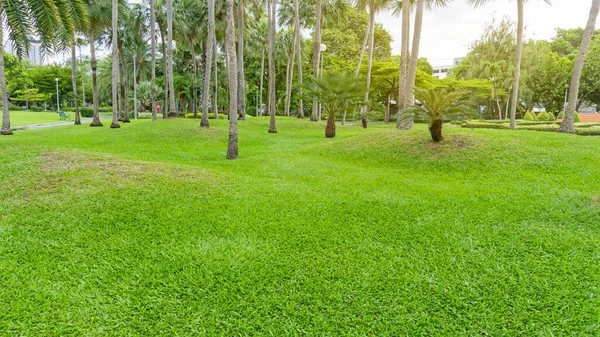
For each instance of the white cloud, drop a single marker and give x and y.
(448, 32)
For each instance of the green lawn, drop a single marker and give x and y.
(21, 118)
(148, 231)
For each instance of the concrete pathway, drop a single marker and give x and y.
(50, 125)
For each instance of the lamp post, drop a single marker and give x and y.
(566, 94)
(322, 51)
(57, 99)
(135, 107)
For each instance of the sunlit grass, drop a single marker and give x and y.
(148, 230)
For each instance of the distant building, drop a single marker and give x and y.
(33, 55)
(441, 72)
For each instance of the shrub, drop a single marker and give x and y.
(588, 132)
(148, 115)
(551, 117)
(210, 115)
(529, 116)
(37, 109)
(13, 107)
(542, 116)
(561, 115)
(577, 119)
(86, 112)
(105, 109)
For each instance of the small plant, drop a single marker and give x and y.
(529, 116)
(576, 118)
(542, 117)
(561, 115)
(551, 117)
(374, 110)
(436, 105)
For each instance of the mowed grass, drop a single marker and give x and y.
(148, 231)
(22, 118)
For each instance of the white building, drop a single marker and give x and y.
(34, 54)
(441, 72)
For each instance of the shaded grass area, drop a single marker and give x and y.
(148, 230)
(21, 118)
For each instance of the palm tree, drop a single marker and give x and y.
(272, 88)
(517, 77)
(337, 92)
(52, 21)
(170, 77)
(298, 36)
(568, 123)
(240, 55)
(232, 144)
(405, 121)
(210, 41)
(314, 116)
(80, 18)
(153, 43)
(99, 15)
(115, 64)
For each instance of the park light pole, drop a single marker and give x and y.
(57, 99)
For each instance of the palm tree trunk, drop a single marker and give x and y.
(436, 130)
(153, 43)
(115, 64)
(195, 80)
(74, 82)
(172, 109)
(262, 77)
(232, 145)
(165, 71)
(241, 68)
(286, 108)
(216, 80)
(568, 123)
(364, 45)
(298, 35)
(5, 111)
(330, 128)
(126, 89)
(314, 116)
(208, 64)
(93, 65)
(414, 53)
(405, 121)
(515, 93)
(290, 77)
(272, 87)
(371, 29)
(387, 109)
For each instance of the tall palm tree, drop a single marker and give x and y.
(80, 18)
(517, 76)
(232, 144)
(210, 41)
(568, 123)
(314, 116)
(272, 84)
(170, 77)
(240, 55)
(115, 64)
(99, 15)
(405, 121)
(298, 36)
(153, 44)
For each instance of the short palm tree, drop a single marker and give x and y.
(337, 92)
(437, 104)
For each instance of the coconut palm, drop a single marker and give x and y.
(568, 123)
(115, 64)
(169, 72)
(405, 121)
(232, 144)
(210, 45)
(272, 85)
(240, 55)
(517, 76)
(314, 116)
(52, 21)
(153, 44)
(99, 16)
(337, 92)
(437, 104)
(298, 36)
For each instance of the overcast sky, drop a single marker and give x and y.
(448, 32)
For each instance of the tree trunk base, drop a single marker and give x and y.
(272, 130)
(405, 122)
(96, 123)
(6, 132)
(330, 128)
(436, 130)
(204, 124)
(114, 125)
(77, 123)
(567, 126)
(364, 123)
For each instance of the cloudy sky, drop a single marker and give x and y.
(448, 32)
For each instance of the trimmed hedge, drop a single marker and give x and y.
(577, 119)
(86, 112)
(588, 132)
(542, 116)
(551, 117)
(561, 115)
(37, 109)
(529, 116)
(583, 131)
(210, 115)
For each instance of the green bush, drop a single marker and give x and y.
(529, 116)
(551, 117)
(148, 115)
(86, 112)
(36, 109)
(210, 115)
(534, 123)
(543, 117)
(105, 109)
(561, 115)
(588, 131)
(577, 119)
(13, 107)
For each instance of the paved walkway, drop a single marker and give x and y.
(50, 125)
